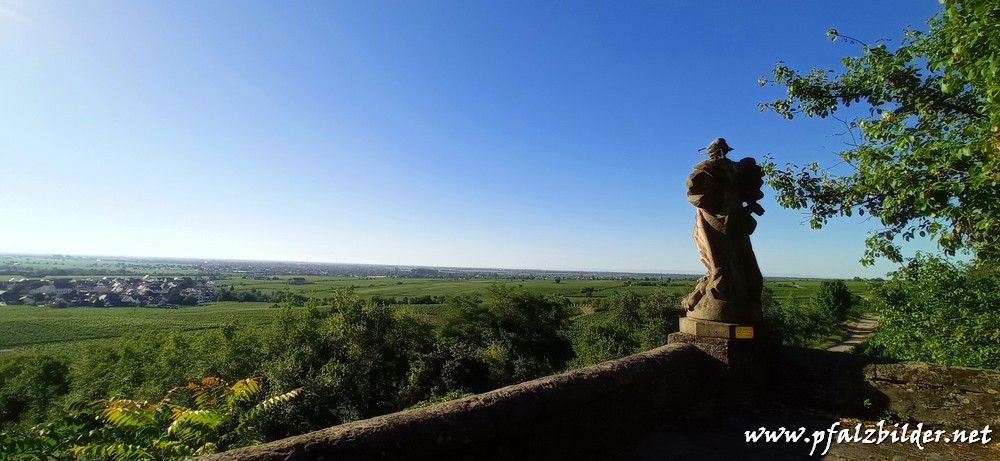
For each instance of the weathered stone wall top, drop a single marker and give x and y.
(555, 417)
(952, 397)
(579, 413)
(850, 385)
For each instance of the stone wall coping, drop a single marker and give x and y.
(602, 402)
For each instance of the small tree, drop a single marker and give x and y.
(834, 298)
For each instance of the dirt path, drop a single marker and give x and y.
(859, 331)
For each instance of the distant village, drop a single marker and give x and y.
(108, 292)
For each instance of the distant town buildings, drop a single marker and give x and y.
(109, 291)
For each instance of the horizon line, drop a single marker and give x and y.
(484, 268)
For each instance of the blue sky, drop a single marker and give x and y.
(513, 134)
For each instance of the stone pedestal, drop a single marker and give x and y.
(712, 329)
(741, 352)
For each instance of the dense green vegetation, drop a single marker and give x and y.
(627, 323)
(201, 418)
(924, 162)
(940, 312)
(354, 357)
(924, 129)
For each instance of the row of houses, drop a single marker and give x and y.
(113, 291)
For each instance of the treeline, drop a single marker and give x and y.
(299, 300)
(626, 323)
(254, 296)
(423, 299)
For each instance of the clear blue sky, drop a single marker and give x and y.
(527, 134)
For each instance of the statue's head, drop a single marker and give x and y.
(718, 149)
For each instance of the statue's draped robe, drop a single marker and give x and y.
(731, 290)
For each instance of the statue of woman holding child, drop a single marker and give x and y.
(726, 194)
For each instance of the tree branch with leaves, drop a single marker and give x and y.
(925, 143)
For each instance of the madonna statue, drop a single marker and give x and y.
(726, 193)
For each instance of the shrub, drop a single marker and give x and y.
(835, 299)
(518, 334)
(937, 311)
(629, 324)
(799, 323)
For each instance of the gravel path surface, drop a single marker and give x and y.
(859, 331)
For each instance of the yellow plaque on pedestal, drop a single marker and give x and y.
(744, 332)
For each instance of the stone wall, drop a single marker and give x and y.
(951, 397)
(851, 385)
(577, 414)
(563, 416)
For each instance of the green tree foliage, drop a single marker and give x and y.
(835, 299)
(32, 387)
(936, 311)
(354, 358)
(630, 324)
(280, 296)
(50, 441)
(798, 322)
(926, 153)
(213, 416)
(222, 417)
(142, 366)
(450, 366)
(517, 334)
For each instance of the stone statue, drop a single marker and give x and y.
(719, 187)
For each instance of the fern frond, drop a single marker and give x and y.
(167, 398)
(244, 389)
(113, 451)
(124, 413)
(206, 418)
(268, 404)
(208, 392)
(174, 447)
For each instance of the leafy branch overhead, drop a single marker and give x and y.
(925, 141)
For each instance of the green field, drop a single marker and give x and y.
(27, 326)
(573, 289)
(22, 326)
(319, 287)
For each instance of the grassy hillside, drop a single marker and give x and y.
(22, 326)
